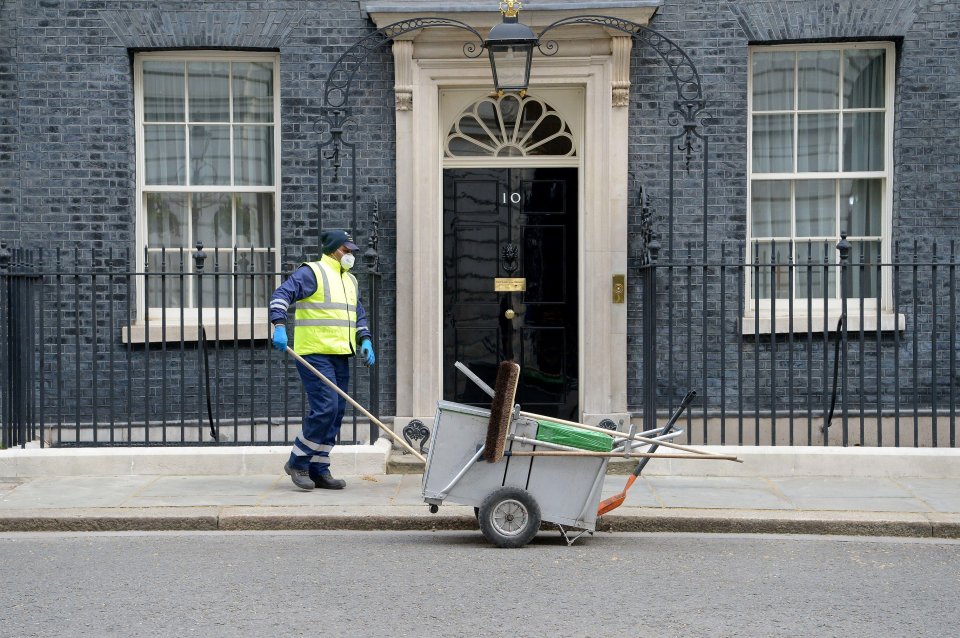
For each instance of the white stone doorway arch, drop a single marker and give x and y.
(594, 66)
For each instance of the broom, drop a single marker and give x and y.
(504, 392)
(373, 419)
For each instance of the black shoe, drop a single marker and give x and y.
(327, 482)
(301, 478)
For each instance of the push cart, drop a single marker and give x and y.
(547, 470)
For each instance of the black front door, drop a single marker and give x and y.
(510, 283)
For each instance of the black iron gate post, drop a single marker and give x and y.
(371, 259)
(6, 403)
(843, 247)
(18, 346)
(648, 275)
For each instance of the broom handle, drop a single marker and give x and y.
(646, 455)
(614, 434)
(346, 396)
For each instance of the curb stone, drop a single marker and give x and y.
(640, 521)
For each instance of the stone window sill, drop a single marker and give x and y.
(140, 332)
(766, 324)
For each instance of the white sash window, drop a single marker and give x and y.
(207, 129)
(820, 155)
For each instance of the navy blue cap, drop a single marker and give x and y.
(330, 240)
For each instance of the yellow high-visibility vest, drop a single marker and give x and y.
(327, 319)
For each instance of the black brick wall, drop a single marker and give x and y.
(67, 126)
(9, 139)
(67, 135)
(716, 35)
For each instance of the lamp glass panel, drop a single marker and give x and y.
(511, 66)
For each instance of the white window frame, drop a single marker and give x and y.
(255, 326)
(821, 317)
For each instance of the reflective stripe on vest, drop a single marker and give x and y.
(327, 319)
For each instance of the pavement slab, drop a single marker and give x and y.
(942, 495)
(8, 484)
(75, 491)
(360, 490)
(640, 494)
(186, 491)
(717, 493)
(843, 493)
(919, 507)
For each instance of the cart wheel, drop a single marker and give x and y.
(434, 509)
(509, 517)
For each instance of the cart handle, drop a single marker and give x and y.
(470, 375)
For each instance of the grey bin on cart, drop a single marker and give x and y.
(567, 489)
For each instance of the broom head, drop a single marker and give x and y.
(504, 392)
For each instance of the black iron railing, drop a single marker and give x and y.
(96, 352)
(846, 352)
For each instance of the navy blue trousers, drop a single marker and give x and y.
(321, 426)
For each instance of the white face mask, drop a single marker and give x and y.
(347, 261)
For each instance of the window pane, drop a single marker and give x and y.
(861, 206)
(462, 147)
(167, 220)
(863, 141)
(817, 142)
(216, 281)
(770, 209)
(251, 283)
(255, 220)
(773, 81)
(163, 290)
(253, 155)
(816, 208)
(252, 92)
(163, 92)
(770, 270)
(164, 154)
(863, 282)
(863, 78)
(212, 219)
(209, 95)
(815, 266)
(532, 111)
(773, 143)
(509, 111)
(209, 155)
(818, 75)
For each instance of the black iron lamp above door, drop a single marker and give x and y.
(510, 46)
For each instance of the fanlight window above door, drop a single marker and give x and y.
(510, 126)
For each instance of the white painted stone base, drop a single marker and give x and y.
(346, 460)
(357, 460)
(863, 462)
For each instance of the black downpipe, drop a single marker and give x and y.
(206, 373)
(836, 368)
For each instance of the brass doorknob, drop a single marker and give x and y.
(509, 314)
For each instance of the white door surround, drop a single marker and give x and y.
(596, 67)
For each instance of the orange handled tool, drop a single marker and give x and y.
(617, 500)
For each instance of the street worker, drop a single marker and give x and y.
(330, 321)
